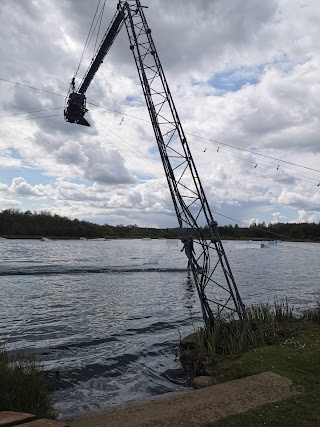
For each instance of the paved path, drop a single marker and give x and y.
(195, 408)
(22, 419)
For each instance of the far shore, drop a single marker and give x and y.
(224, 239)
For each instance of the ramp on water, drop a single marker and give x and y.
(195, 408)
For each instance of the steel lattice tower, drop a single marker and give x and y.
(217, 290)
(218, 293)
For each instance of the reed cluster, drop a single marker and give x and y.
(24, 387)
(267, 324)
(313, 314)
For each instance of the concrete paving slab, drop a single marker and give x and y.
(198, 407)
(10, 418)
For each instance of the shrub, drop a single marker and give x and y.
(24, 387)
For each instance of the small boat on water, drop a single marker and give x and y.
(274, 242)
(3, 238)
(251, 244)
(83, 238)
(146, 238)
(45, 239)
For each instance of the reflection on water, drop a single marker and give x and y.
(190, 296)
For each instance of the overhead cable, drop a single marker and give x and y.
(136, 165)
(87, 40)
(187, 133)
(100, 17)
(34, 118)
(263, 164)
(31, 112)
(31, 87)
(253, 152)
(133, 150)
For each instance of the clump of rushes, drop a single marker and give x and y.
(24, 387)
(313, 314)
(267, 325)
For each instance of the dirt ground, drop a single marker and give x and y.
(195, 408)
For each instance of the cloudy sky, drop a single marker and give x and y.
(244, 75)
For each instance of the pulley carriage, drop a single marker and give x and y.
(76, 109)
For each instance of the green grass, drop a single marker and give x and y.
(297, 358)
(24, 387)
(277, 341)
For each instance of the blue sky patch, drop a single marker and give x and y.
(32, 176)
(233, 80)
(133, 101)
(80, 181)
(15, 153)
(153, 150)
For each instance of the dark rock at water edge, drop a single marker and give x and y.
(176, 376)
(189, 342)
(204, 381)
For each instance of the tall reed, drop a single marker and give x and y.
(24, 387)
(266, 325)
(313, 314)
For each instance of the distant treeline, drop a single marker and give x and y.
(15, 223)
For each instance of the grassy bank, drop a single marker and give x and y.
(24, 387)
(297, 358)
(284, 344)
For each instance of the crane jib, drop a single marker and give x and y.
(76, 102)
(102, 51)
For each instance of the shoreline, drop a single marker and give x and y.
(197, 407)
(123, 406)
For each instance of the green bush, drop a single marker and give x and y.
(24, 387)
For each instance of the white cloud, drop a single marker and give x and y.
(307, 201)
(20, 187)
(243, 73)
(9, 162)
(277, 217)
(305, 216)
(6, 203)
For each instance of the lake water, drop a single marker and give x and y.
(105, 317)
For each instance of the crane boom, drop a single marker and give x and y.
(76, 101)
(107, 41)
(216, 286)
